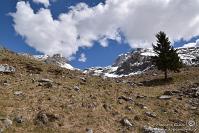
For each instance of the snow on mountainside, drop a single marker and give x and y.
(56, 59)
(138, 61)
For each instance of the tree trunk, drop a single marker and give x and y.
(165, 74)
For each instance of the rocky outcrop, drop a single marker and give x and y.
(138, 61)
(5, 68)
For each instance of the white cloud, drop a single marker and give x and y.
(45, 34)
(195, 44)
(137, 20)
(45, 2)
(82, 58)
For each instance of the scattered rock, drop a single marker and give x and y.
(5, 68)
(120, 101)
(45, 80)
(91, 105)
(193, 108)
(89, 130)
(7, 122)
(41, 118)
(140, 96)
(153, 130)
(48, 85)
(191, 92)
(83, 79)
(142, 106)
(107, 107)
(33, 80)
(44, 118)
(5, 82)
(165, 97)
(76, 88)
(125, 98)
(194, 102)
(126, 122)
(197, 93)
(1, 130)
(151, 114)
(140, 84)
(18, 93)
(19, 119)
(129, 108)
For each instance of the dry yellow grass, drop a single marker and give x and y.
(96, 105)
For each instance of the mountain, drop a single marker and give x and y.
(56, 59)
(138, 61)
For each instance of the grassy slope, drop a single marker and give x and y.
(95, 106)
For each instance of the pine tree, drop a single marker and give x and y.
(166, 56)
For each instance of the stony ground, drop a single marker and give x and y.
(39, 98)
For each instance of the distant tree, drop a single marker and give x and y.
(166, 56)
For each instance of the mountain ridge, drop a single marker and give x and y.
(56, 59)
(138, 61)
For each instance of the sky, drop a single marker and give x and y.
(94, 32)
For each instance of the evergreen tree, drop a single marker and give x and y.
(166, 56)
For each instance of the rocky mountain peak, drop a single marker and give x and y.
(139, 60)
(56, 59)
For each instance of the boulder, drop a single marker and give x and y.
(141, 96)
(89, 130)
(126, 122)
(18, 93)
(45, 80)
(5, 68)
(153, 130)
(125, 98)
(83, 79)
(44, 118)
(19, 119)
(165, 97)
(76, 88)
(151, 114)
(45, 83)
(1, 130)
(7, 122)
(191, 92)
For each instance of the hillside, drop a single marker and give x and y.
(36, 97)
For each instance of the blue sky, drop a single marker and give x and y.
(97, 53)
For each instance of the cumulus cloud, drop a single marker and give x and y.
(137, 20)
(43, 33)
(45, 2)
(82, 58)
(195, 44)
